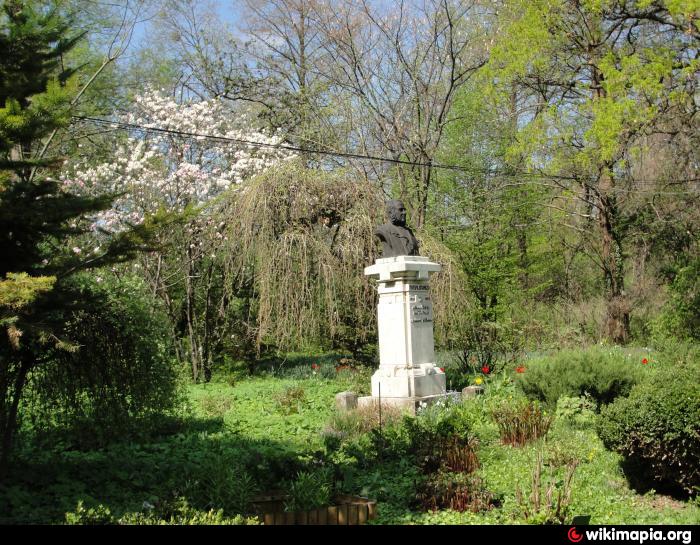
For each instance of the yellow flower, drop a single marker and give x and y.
(478, 380)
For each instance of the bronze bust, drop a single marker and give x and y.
(396, 238)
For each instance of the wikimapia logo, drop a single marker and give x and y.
(637, 536)
(573, 536)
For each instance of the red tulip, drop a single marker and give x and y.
(520, 369)
(486, 369)
(645, 361)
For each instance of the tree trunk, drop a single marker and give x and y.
(9, 423)
(425, 174)
(190, 314)
(617, 319)
(520, 223)
(208, 327)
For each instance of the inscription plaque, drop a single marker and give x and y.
(421, 309)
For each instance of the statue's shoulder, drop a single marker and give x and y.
(384, 230)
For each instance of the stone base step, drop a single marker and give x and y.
(410, 404)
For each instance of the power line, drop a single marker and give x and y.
(288, 147)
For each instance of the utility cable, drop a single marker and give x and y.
(348, 155)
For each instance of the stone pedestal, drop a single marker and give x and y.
(407, 375)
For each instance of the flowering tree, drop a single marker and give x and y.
(163, 164)
(179, 156)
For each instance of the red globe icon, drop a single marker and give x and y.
(573, 535)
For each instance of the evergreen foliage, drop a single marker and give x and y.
(38, 217)
(33, 91)
(604, 374)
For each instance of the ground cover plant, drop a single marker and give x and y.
(233, 442)
(575, 474)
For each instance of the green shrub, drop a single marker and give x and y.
(602, 373)
(444, 418)
(457, 491)
(92, 516)
(657, 430)
(120, 379)
(577, 411)
(681, 315)
(439, 430)
(674, 352)
(438, 437)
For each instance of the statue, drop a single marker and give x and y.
(396, 238)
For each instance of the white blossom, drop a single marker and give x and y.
(154, 170)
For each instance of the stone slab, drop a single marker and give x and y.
(410, 404)
(346, 401)
(405, 321)
(404, 266)
(472, 391)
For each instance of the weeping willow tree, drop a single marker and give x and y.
(298, 239)
(453, 302)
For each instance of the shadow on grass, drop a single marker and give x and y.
(638, 475)
(202, 462)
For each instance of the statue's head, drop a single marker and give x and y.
(396, 212)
